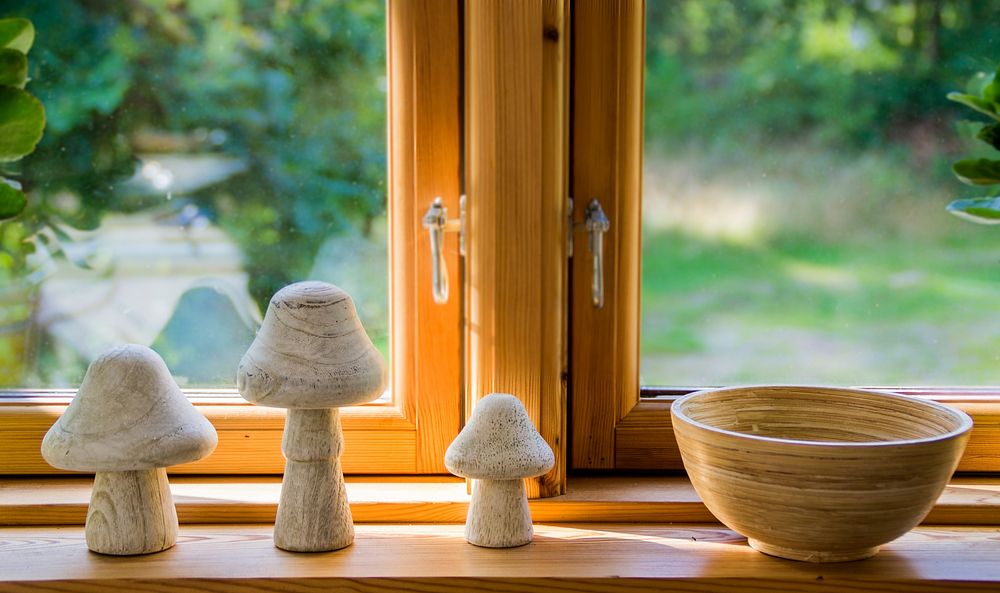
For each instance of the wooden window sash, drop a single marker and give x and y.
(613, 425)
(410, 434)
(606, 165)
(516, 121)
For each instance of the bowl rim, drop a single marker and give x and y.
(964, 420)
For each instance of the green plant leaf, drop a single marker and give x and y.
(977, 171)
(22, 119)
(13, 68)
(12, 201)
(977, 103)
(17, 34)
(991, 93)
(981, 210)
(990, 134)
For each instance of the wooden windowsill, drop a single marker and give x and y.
(60, 500)
(608, 534)
(432, 557)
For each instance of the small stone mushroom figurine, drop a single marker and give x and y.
(127, 423)
(498, 448)
(312, 356)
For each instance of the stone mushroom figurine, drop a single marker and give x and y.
(312, 356)
(127, 423)
(498, 448)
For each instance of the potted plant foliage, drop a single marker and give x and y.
(981, 171)
(22, 119)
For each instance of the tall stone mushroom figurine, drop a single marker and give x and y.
(128, 422)
(312, 356)
(498, 448)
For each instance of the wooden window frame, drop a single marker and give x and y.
(552, 119)
(617, 424)
(612, 425)
(516, 130)
(410, 434)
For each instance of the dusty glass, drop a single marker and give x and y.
(197, 157)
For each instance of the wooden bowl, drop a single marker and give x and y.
(816, 473)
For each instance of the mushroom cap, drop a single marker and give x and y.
(499, 443)
(311, 352)
(128, 414)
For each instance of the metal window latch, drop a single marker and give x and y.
(595, 223)
(437, 223)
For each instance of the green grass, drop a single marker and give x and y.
(859, 297)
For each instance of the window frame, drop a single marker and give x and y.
(581, 381)
(410, 434)
(516, 130)
(618, 424)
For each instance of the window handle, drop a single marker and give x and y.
(595, 223)
(437, 224)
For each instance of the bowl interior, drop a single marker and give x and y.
(821, 414)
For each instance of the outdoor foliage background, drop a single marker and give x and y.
(292, 87)
(796, 166)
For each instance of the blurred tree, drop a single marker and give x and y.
(294, 88)
(848, 72)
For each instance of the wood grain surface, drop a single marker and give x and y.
(577, 557)
(515, 167)
(131, 512)
(644, 439)
(424, 125)
(381, 499)
(248, 451)
(249, 436)
(606, 164)
(499, 516)
(313, 514)
(129, 414)
(817, 473)
(410, 434)
(553, 408)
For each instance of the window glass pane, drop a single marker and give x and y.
(197, 157)
(797, 168)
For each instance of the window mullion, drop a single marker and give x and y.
(516, 211)
(606, 165)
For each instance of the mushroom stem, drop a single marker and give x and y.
(131, 512)
(498, 514)
(313, 512)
